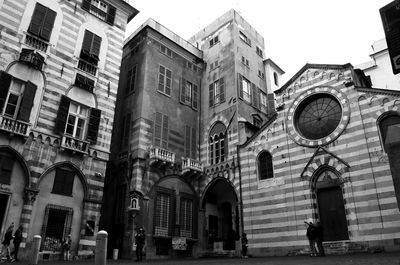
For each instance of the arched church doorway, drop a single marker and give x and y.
(331, 209)
(220, 204)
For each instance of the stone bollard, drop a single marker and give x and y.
(100, 256)
(34, 258)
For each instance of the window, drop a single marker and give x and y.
(89, 229)
(257, 121)
(131, 80)
(84, 82)
(217, 143)
(63, 182)
(389, 128)
(246, 85)
(213, 41)
(16, 97)
(190, 142)
(214, 65)
(263, 101)
(90, 50)
(126, 128)
(56, 226)
(186, 216)
(276, 80)
(161, 130)
(164, 80)
(6, 166)
(166, 50)
(100, 9)
(162, 214)
(259, 51)
(265, 167)
(244, 38)
(77, 120)
(245, 61)
(260, 74)
(217, 92)
(189, 94)
(42, 22)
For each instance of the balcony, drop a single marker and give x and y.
(31, 58)
(36, 43)
(189, 164)
(74, 144)
(14, 126)
(159, 156)
(87, 67)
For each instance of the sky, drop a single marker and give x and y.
(295, 32)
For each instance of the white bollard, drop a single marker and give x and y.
(34, 258)
(100, 256)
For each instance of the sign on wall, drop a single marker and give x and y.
(179, 243)
(390, 15)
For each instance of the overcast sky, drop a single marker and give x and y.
(295, 32)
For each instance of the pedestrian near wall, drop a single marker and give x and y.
(140, 240)
(8, 236)
(17, 241)
(244, 245)
(311, 235)
(66, 246)
(319, 234)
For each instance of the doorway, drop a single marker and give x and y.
(331, 209)
(3, 207)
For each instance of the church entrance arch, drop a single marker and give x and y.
(221, 207)
(330, 203)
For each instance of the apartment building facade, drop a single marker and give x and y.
(59, 63)
(182, 108)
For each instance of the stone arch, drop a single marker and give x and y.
(218, 118)
(22, 162)
(384, 101)
(213, 181)
(78, 172)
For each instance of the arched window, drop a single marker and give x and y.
(389, 128)
(265, 167)
(276, 80)
(217, 144)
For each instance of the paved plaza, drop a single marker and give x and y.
(353, 259)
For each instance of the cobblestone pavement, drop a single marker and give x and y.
(353, 259)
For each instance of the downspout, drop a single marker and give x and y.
(240, 190)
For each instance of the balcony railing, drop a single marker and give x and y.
(74, 144)
(191, 164)
(87, 67)
(157, 153)
(36, 43)
(14, 126)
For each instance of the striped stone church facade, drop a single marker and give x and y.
(59, 70)
(330, 153)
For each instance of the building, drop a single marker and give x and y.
(330, 153)
(379, 69)
(59, 63)
(182, 108)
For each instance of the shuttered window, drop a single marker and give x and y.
(164, 80)
(90, 47)
(188, 93)
(162, 214)
(217, 92)
(63, 182)
(131, 80)
(100, 9)
(42, 22)
(161, 130)
(186, 217)
(6, 166)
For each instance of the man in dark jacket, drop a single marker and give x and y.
(319, 233)
(311, 235)
(140, 239)
(17, 241)
(8, 236)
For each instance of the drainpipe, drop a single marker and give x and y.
(240, 191)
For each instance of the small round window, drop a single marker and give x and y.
(318, 116)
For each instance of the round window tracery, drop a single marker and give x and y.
(318, 116)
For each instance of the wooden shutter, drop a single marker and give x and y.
(182, 97)
(111, 14)
(128, 82)
(48, 23)
(27, 102)
(187, 141)
(211, 95)
(86, 5)
(165, 132)
(168, 82)
(5, 81)
(240, 85)
(94, 124)
(87, 41)
(271, 103)
(221, 90)
(194, 143)
(37, 19)
(194, 97)
(6, 166)
(62, 115)
(68, 182)
(254, 96)
(157, 129)
(95, 49)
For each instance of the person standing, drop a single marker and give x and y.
(244, 245)
(140, 239)
(319, 236)
(66, 246)
(311, 235)
(8, 236)
(17, 241)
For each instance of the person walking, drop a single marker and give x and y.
(319, 236)
(8, 236)
(17, 241)
(66, 246)
(311, 235)
(140, 239)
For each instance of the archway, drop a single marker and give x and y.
(331, 209)
(220, 204)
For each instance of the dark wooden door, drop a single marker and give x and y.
(3, 206)
(332, 214)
